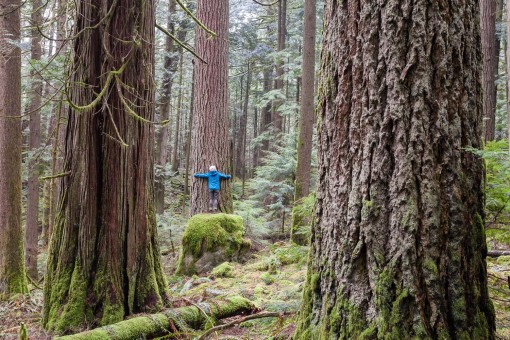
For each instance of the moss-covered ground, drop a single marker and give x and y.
(272, 278)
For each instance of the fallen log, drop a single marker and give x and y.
(172, 321)
(498, 253)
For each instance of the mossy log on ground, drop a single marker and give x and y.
(211, 239)
(169, 322)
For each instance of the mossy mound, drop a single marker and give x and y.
(223, 270)
(211, 239)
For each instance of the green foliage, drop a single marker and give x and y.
(291, 254)
(497, 193)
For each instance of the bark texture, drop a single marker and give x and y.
(306, 119)
(490, 65)
(104, 260)
(398, 246)
(34, 110)
(210, 119)
(12, 265)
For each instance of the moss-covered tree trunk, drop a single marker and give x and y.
(398, 246)
(12, 266)
(104, 260)
(210, 118)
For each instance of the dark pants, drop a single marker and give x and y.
(213, 199)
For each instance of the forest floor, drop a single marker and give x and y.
(272, 278)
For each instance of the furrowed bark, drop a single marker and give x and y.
(12, 264)
(169, 322)
(104, 260)
(210, 118)
(398, 246)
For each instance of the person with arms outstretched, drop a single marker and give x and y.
(213, 181)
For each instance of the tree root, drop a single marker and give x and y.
(170, 322)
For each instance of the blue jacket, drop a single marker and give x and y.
(213, 179)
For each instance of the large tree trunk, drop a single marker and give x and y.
(304, 144)
(34, 110)
(490, 65)
(104, 260)
(164, 111)
(398, 246)
(12, 265)
(210, 119)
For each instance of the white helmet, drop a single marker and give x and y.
(213, 168)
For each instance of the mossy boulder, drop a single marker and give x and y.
(209, 240)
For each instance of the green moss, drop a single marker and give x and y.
(291, 255)
(23, 332)
(267, 278)
(366, 209)
(112, 314)
(209, 233)
(503, 260)
(430, 265)
(75, 312)
(223, 270)
(459, 310)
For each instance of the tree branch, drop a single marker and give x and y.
(246, 318)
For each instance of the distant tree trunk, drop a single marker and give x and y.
(162, 137)
(210, 119)
(34, 109)
(57, 123)
(265, 114)
(243, 128)
(490, 62)
(256, 148)
(104, 259)
(243, 122)
(175, 157)
(398, 245)
(304, 144)
(12, 264)
(282, 35)
(188, 142)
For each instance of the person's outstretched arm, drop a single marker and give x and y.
(201, 175)
(225, 176)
